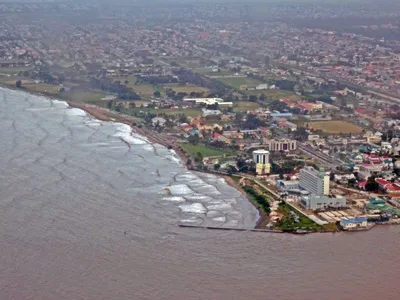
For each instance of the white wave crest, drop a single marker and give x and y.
(197, 208)
(76, 112)
(174, 199)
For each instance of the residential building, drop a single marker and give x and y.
(316, 182)
(206, 101)
(262, 86)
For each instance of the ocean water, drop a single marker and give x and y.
(89, 210)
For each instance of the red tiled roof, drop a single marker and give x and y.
(381, 181)
(362, 184)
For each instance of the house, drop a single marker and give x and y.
(194, 131)
(160, 121)
(309, 106)
(356, 223)
(221, 138)
(262, 86)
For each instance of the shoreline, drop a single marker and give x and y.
(107, 115)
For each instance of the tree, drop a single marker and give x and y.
(110, 104)
(371, 185)
(194, 139)
(332, 176)
(18, 84)
(189, 161)
(253, 98)
(281, 177)
(217, 167)
(199, 157)
(157, 94)
(351, 182)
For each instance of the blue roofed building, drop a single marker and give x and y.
(356, 223)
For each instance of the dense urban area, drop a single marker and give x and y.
(302, 116)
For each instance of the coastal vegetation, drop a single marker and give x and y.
(205, 151)
(260, 200)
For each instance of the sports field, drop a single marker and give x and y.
(236, 82)
(244, 106)
(335, 127)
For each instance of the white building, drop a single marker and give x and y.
(351, 224)
(316, 182)
(262, 86)
(261, 158)
(206, 101)
(313, 202)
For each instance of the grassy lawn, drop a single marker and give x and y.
(293, 220)
(84, 96)
(335, 127)
(209, 72)
(186, 88)
(236, 82)
(244, 106)
(14, 71)
(272, 95)
(41, 87)
(204, 150)
(143, 89)
(185, 61)
(190, 112)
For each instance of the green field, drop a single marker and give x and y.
(190, 112)
(335, 127)
(14, 71)
(244, 106)
(209, 72)
(272, 95)
(206, 151)
(186, 88)
(236, 82)
(289, 223)
(84, 96)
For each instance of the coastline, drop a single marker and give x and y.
(107, 115)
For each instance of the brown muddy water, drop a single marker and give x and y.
(84, 214)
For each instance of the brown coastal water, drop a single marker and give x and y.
(84, 215)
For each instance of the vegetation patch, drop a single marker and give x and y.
(205, 151)
(260, 200)
(189, 88)
(335, 127)
(237, 82)
(244, 106)
(14, 71)
(292, 221)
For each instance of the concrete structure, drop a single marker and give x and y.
(280, 145)
(262, 86)
(281, 115)
(316, 182)
(287, 185)
(356, 223)
(313, 202)
(261, 158)
(206, 101)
